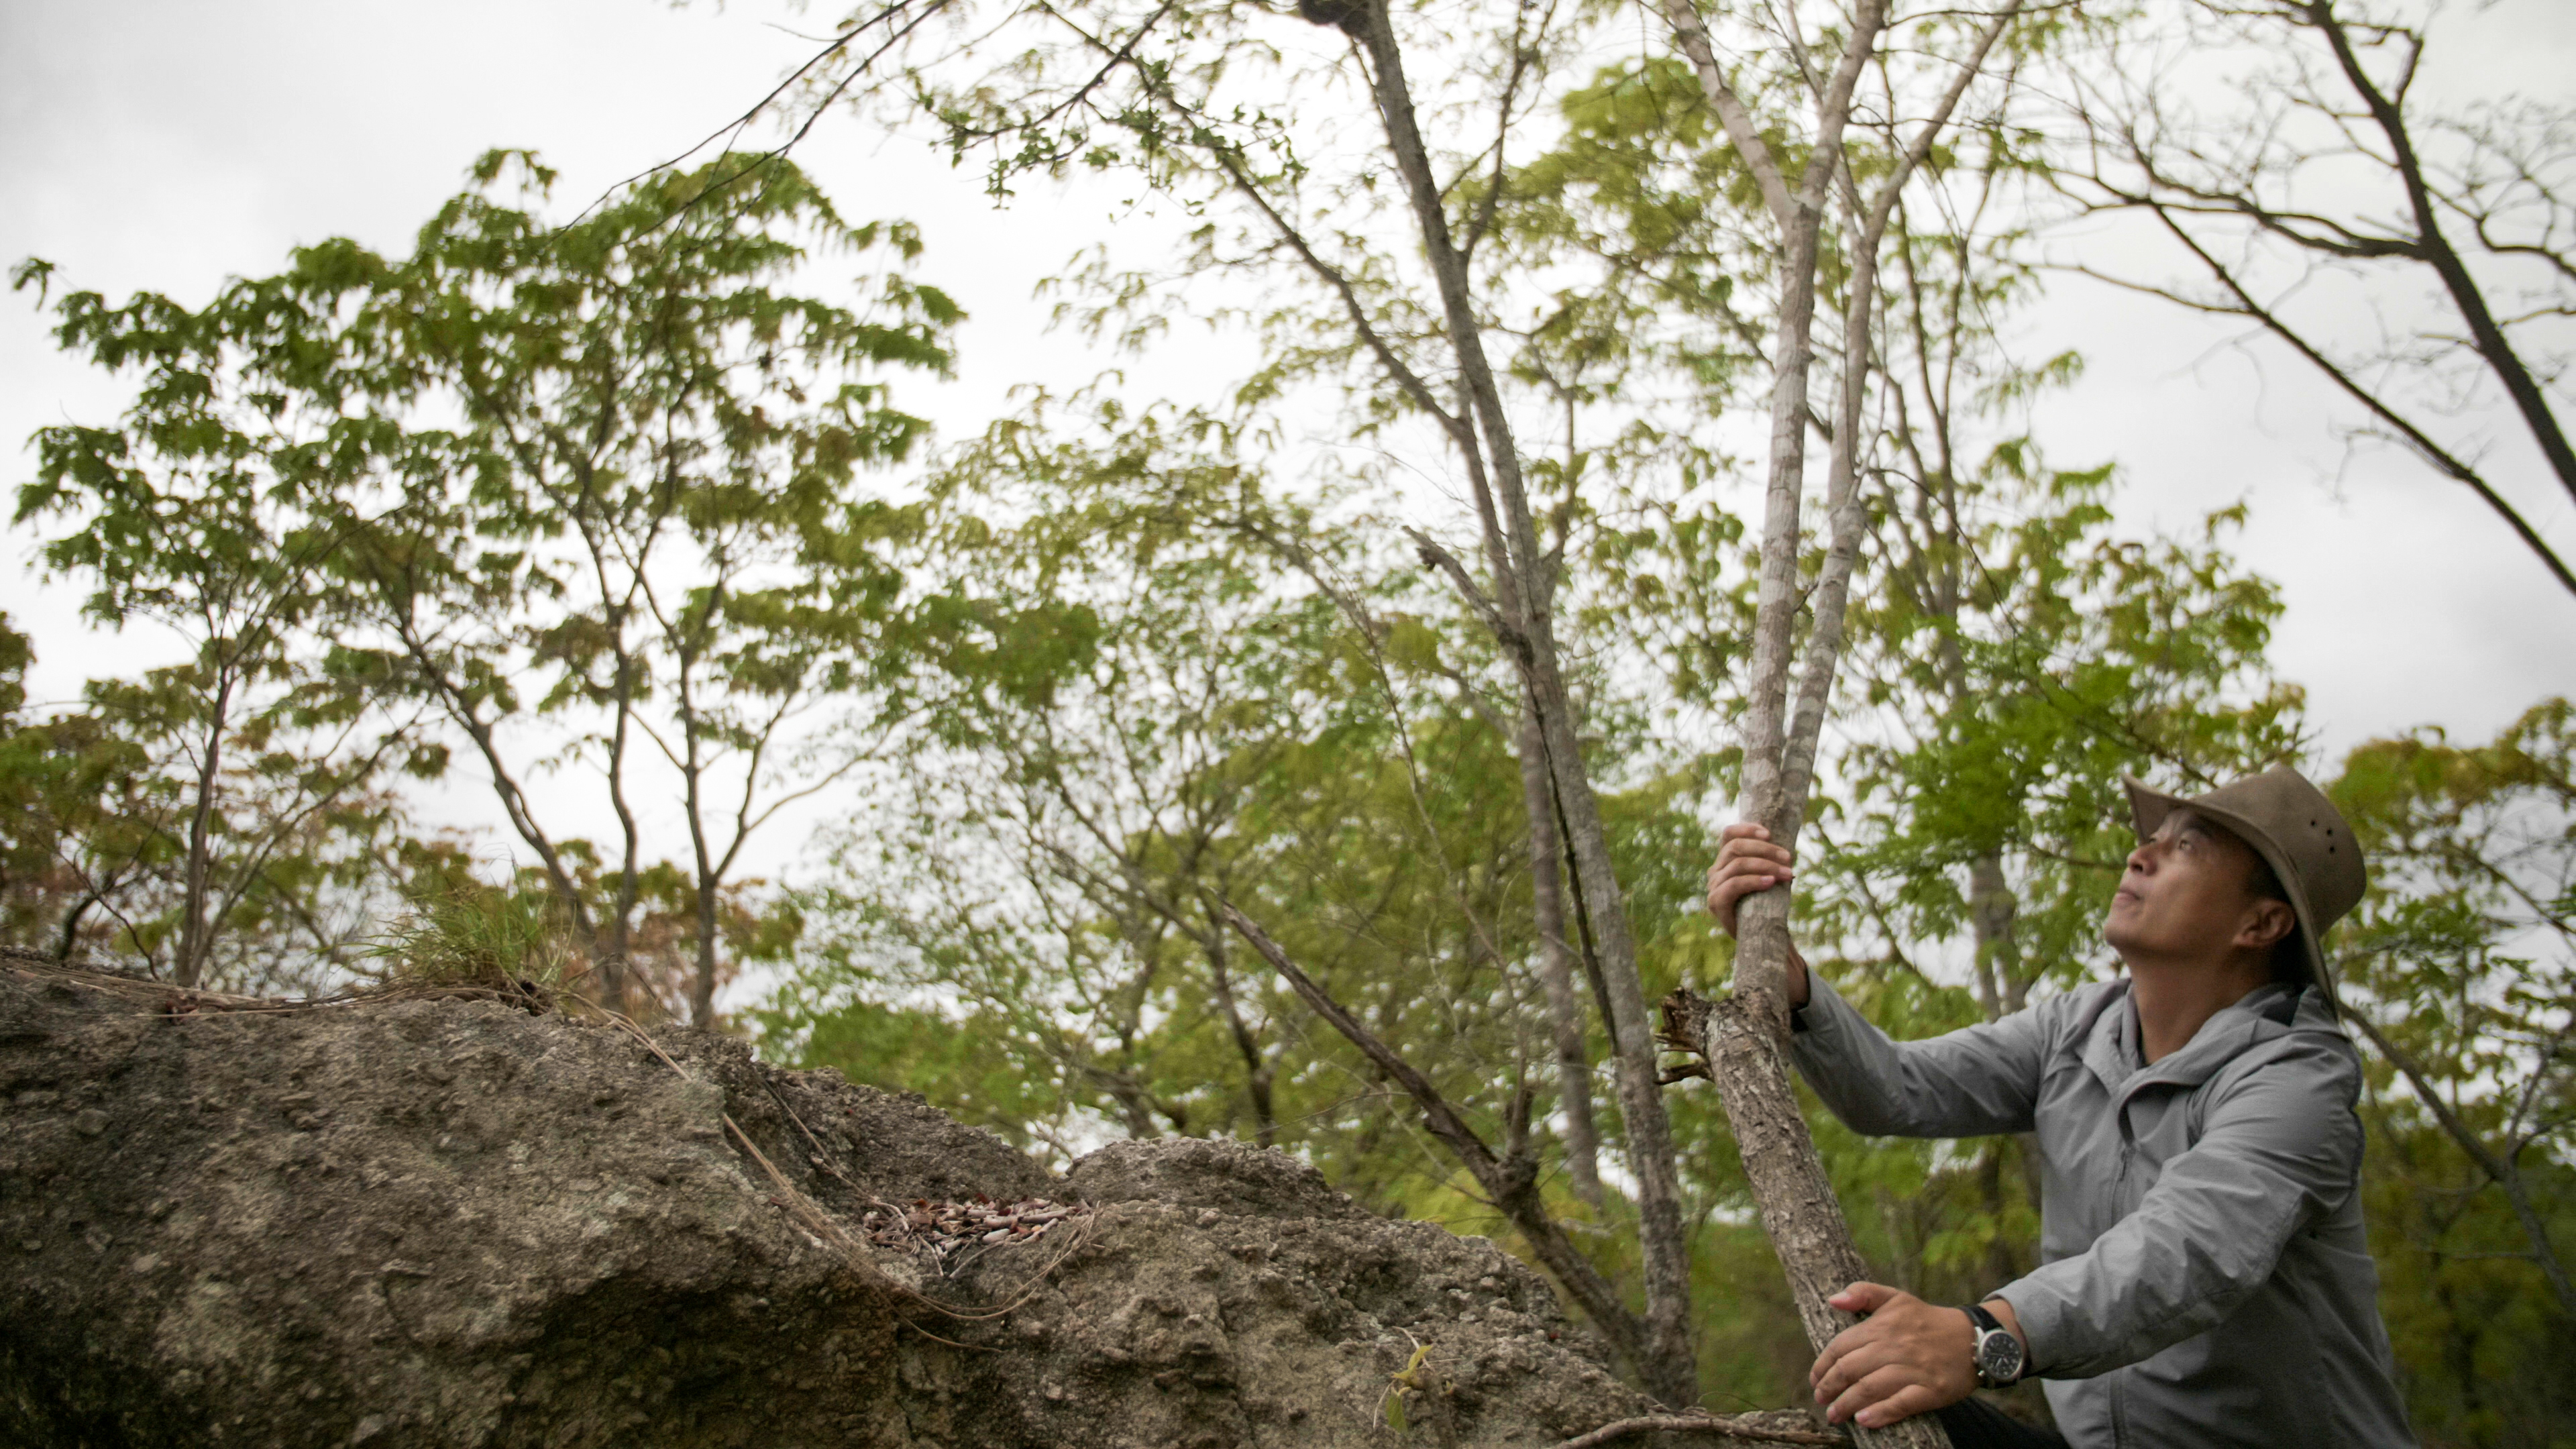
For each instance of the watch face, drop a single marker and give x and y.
(1999, 1357)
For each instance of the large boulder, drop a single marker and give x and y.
(454, 1222)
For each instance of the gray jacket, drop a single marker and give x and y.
(2204, 1277)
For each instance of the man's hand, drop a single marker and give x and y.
(1908, 1357)
(1747, 862)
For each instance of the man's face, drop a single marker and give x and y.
(2188, 895)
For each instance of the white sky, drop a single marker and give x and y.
(167, 144)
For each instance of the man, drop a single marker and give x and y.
(2204, 1277)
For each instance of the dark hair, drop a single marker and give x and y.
(2290, 953)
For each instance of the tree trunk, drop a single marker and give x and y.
(1799, 1211)
(702, 990)
(1746, 1034)
(1670, 1370)
(192, 927)
(612, 964)
(1556, 967)
(1990, 917)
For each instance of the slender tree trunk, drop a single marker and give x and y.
(2002, 1265)
(612, 964)
(2002, 989)
(1669, 1368)
(1673, 1375)
(1556, 966)
(67, 938)
(702, 987)
(1748, 1031)
(1990, 917)
(192, 927)
(1746, 1034)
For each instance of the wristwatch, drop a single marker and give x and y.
(2000, 1357)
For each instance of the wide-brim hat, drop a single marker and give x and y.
(2297, 831)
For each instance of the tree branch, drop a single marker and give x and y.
(1511, 1182)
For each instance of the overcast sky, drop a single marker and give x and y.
(167, 144)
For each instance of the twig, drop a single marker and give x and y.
(1697, 1424)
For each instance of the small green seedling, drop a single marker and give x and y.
(1411, 1378)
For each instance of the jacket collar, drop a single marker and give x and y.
(2113, 1052)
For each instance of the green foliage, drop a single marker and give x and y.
(2464, 958)
(187, 516)
(72, 814)
(2483, 1354)
(94, 838)
(579, 490)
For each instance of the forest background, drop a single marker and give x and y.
(1040, 689)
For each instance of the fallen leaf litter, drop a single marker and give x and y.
(947, 1227)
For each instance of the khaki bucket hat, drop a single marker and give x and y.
(2296, 830)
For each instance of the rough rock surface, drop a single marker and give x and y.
(435, 1222)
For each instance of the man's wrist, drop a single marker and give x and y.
(1997, 1352)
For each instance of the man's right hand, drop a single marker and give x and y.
(1747, 862)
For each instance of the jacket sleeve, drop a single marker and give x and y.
(1975, 1082)
(2277, 1152)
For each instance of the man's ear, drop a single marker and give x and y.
(2266, 925)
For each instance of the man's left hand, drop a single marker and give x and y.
(1907, 1357)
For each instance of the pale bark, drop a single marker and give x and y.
(702, 985)
(1746, 1033)
(1990, 919)
(689, 635)
(611, 964)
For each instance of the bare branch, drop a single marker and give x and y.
(1511, 1183)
